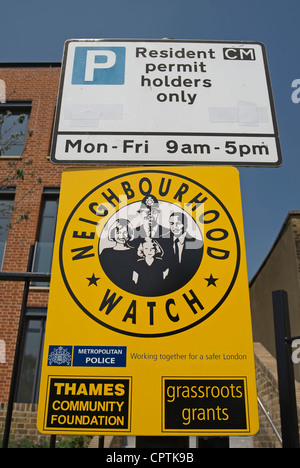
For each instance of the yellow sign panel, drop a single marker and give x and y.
(148, 327)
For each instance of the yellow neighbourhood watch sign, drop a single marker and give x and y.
(148, 327)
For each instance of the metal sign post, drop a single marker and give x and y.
(26, 277)
(286, 379)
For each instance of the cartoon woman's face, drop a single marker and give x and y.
(121, 235)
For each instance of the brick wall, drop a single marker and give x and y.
(267, 392)
(23, 422)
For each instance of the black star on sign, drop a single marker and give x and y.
(211, 281)
(93, 280)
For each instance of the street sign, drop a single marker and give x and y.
(170, 102)
(148, 325)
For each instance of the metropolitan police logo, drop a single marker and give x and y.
(149, 252)
(60, 356)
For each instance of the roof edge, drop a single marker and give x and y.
(288, 217)
(30, 64)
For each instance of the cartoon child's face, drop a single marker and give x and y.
(149, 249)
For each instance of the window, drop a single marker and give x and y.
(14, 118)
(6, 208)
(44, 246)
(32, 354)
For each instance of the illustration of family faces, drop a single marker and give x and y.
(146, 257)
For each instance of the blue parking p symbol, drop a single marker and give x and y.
(99, 66)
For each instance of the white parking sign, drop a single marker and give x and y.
(169, 102)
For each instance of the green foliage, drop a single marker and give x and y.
(8, 137)
(80, 441)
(17, 171)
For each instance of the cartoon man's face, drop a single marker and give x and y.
(149, 215)
(176, 225)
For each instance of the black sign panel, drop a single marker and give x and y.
(89, 404)
(205, 404)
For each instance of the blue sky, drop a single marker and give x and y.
(35, 31)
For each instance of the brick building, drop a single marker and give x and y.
(280, 270)
(31, 90)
